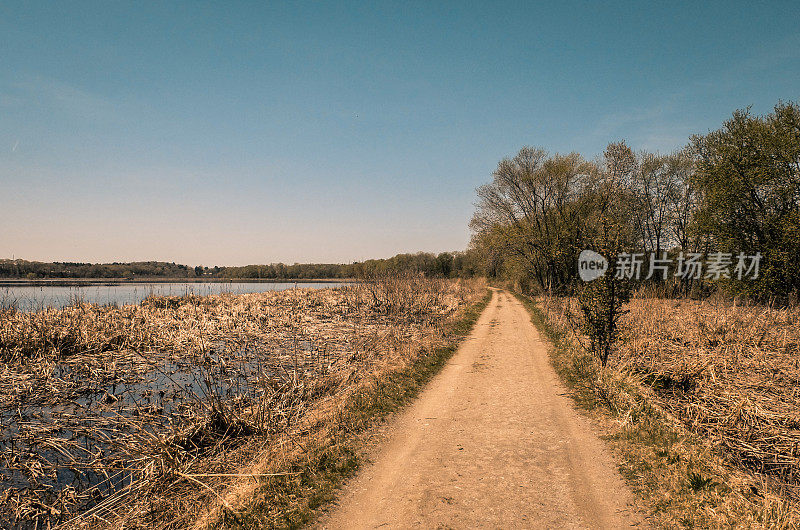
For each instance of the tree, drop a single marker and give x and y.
(444, 264)
(748, 177)
(531, 214)
(601, 301)
(654, 186)
(683, 202)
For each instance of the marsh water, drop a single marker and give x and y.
(72, 430)
(36, 297)
(81, 447)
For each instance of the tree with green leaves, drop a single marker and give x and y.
(748, 178)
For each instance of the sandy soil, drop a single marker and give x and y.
(493, 441)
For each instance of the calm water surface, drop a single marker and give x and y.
(35, 297)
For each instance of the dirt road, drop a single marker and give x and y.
(491, 442)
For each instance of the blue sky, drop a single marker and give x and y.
(248, 132)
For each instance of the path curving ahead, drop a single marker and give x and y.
(492, 442)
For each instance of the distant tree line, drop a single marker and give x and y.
(734, 190)
(445, 264)
(39, 270)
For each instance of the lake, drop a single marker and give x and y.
(35, 297)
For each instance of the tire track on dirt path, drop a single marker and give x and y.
(492, 441)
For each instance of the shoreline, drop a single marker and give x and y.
(80, 282)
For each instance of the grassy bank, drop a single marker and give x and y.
(329, 448)
(682, 465)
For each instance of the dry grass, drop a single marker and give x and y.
(143, 415)
(705, 396)
(729, 372)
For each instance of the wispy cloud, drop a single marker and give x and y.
(52, 94)
(770, 56)
(9, 100)
(612, 125)
(670, 121)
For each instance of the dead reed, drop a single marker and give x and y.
(141, 414)
(728, 372)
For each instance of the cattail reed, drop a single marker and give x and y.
(135, 415)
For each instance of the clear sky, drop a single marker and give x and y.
(253, 132)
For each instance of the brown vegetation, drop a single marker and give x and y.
(144, 414)
(722, 374)
(729, 372)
